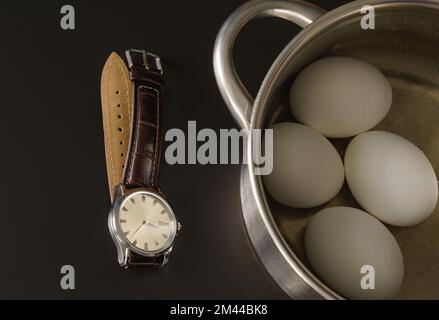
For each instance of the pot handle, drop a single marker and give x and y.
(238, 99)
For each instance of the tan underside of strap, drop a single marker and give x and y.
(116, 101)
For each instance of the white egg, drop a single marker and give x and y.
(307, 170)
(340, 96)
(391, 178)
(354, 253)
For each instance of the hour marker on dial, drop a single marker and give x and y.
(143, 198)
(162, 224)
(135, 243)
(154, 202)
(123, 221)
(163, 212)
(165, 235)
(156, 243)
(146, 245)
(132, 200)
(126, 233)
(124, 209)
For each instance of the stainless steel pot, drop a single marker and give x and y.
(404, 46)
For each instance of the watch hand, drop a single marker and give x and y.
(152, 225)
(138, 229)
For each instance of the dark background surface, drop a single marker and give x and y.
(55, 197)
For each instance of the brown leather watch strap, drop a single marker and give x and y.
(140, 261)
(116, 98)
(144, 150)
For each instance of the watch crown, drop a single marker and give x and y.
(179, 226)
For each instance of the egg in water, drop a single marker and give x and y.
(354, 253)
(340, 96)
(391, 178)
(307, 169)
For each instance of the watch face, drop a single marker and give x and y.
(147, 222)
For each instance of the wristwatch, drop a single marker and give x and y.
(141, 221)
